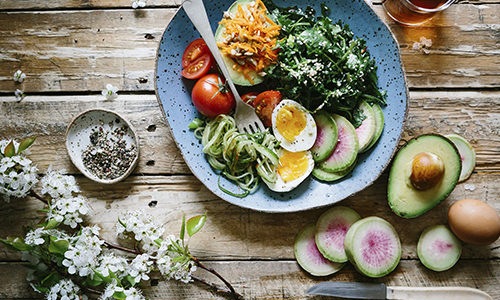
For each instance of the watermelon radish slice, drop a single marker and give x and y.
(372, 245)
(308, 255)
(467, 154)
(331, 176)
(438, 248)
(379, 125)
(346, 150)
(326, 138)
(366, 131)
(331, 228)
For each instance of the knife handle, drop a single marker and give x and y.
(436, 293)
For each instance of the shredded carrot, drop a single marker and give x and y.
(250, 39)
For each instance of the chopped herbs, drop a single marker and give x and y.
(321, 64)
(107, 156)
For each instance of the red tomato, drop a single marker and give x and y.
(196, 60)
(211, 97)
(264, 104)
(199, 67)
(249, 97)
(193, 51)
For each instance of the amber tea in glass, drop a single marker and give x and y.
(414, 12)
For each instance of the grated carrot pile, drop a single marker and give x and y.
(250, 39)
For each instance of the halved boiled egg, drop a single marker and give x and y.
(293, 168)
(293, 126)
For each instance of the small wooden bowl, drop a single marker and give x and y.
(78, 140)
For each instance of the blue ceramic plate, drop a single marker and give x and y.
(173, 93)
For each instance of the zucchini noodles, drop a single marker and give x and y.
(240, 157)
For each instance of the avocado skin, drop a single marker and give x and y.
(408, 202)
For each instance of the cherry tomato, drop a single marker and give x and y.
(196, 60)
(193, 51)
(199, 67)
(211, 97)
(249, 97)
(264, 104)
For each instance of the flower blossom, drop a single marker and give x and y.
(65, 289)
(110, 92)
(138, 3)
(82, 255)
(141, 227)
(69, 211)
(57, 185)
(20, 95)
(19, 76)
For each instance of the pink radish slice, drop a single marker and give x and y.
(308, 255)
(331, 228)
(438, 248)
(373, 247)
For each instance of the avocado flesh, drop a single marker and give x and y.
(404, 199)
(220, 35)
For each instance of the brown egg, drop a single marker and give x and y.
(474, 222)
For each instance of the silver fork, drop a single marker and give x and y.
(245, 117)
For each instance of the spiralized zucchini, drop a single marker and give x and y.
(240, 157)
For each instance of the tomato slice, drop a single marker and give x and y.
(193, 51)
(199, 67)
(264, 104)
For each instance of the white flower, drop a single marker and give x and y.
(64, 289)
(19, 94)
(111, 263)
(35, 237)
(140, 267)
(141, 227)
(57, 185)
(110, 92)
(17, 174)
(19, 76)
(172, 263)
(112, 288)
(83, 251)
(138, 3)
(69, 210)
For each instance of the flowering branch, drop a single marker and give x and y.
(68, 258)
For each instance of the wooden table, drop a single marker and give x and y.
(71, 49)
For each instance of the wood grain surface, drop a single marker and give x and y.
(70, 49)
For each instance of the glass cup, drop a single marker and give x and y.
(414, 12)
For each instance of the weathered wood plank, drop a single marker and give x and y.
(474, 115)
(54, 48)
(283, 280)
(232, 232)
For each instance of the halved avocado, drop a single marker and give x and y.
(423, 173)
(220, 35)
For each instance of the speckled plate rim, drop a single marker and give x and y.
(305, 197)
(77, 162)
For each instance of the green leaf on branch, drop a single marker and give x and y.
(183, 228)
(10, 149)
(119, 296)
(58, 246)
(16, 243)
(25, 144)
(194, 224)
(51, 224)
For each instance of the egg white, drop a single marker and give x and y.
(306, 138)
(285, 186)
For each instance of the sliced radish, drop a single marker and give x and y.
(373, 247)
(331, 228)
(326, 138)
(379, 125)
(366, 131)
(438, 248)
(323, 175)
(467, 154)
(346, 150)
(308, 255)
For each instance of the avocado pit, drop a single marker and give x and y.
(426, 171)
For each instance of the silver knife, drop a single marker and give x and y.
(359, 290)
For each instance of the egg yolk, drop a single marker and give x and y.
(292, 165)
(290, 122)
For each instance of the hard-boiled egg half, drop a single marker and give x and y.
(293, 126)
(292, 169)
(295, 129)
